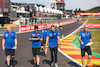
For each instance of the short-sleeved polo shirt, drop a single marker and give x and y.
(53, 41)
(36, 43)
(85, 37)
(44, 33)
(9, 39)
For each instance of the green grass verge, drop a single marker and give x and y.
(93, 20)
(96, 39)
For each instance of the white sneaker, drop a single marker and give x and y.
(52, 64)
(56, 65)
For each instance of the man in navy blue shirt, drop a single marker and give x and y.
(53, 39)
(84, 38)
(9, 44)
(36, 38)
(44, 33)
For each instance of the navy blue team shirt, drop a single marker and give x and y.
(44, 33)
(36, 43)
(9, 39)
(53, 41)
(85, 37)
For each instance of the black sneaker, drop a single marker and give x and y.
(12, 62)
(8, 66)
(37, 66)
(34, 64)
(44, 55)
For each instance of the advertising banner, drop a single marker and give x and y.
(25, 28)
(93, 25)
(88, 14)
(41, 26)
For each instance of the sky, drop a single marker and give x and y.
(70, 4)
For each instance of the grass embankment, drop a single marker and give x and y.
(94, 21)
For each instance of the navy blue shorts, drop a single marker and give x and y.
(86, 49)
(10, 52)
(36, 51)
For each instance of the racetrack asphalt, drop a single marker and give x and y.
(23, 55)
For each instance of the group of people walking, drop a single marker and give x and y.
(38, 39)
(43, 40)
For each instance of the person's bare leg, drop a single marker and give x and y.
(62, 36)
(12, 60)
(37, 59)
(89, 60)
(34, 58)
(8, 60)
(42, 48)
(12, 57)
(46, 49)
(83, 61)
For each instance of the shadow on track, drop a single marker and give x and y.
(47, 62)
(13, 64)
(73, 64)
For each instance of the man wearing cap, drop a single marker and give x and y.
(84, 38)
(44, 33)
(9, 44)
(36, 38)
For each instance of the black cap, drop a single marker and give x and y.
(36, 27)
(52, 26)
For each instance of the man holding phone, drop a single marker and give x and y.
(36, 38)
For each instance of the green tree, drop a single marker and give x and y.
(76, 10)
(79, 10)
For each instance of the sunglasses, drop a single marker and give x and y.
(36, 30)
(53, 26)
(85, 27)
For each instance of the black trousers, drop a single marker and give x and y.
(54, 52)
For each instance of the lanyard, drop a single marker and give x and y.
(36, 34)
(9, 34)
(86, 34)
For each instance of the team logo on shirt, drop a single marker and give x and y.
(83, 34)
(37, 34)
(33, 35)
(42, 31)
(11, 33)
(6, 35)
(46, 31)
(15, 35)
(58, 33)
(54, 33)
(50, 35)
